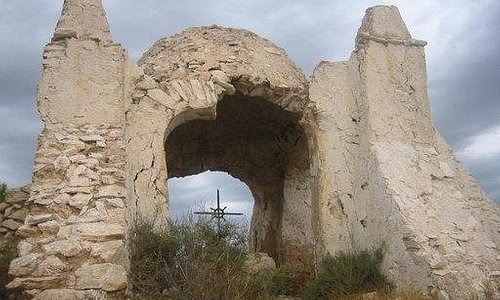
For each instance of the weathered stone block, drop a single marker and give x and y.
(52, 265)
(11, 224)
(108, 277)
(69, 247)
(37, 219)
(24, 265)
(100, 231)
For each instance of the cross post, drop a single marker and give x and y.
(218, 212)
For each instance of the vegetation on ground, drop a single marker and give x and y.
(7, 254)
(3, 192)
(189, 260)
(192, 259)
(348, 274)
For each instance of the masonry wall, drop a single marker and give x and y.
(409, 193)
(225, 67)
(75, 228)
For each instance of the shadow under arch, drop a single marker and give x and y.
(265, 147)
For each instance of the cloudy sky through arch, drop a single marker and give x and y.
(462, 55)
(199, 193)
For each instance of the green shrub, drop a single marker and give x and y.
(7, 254)
(151, 252)
(291, 278)
(191, 259)
(3, 192)
(348, 274)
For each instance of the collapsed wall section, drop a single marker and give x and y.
(385, 176)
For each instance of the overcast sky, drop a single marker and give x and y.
(463, 59)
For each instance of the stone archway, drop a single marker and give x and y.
(265, 147)
(221, 99)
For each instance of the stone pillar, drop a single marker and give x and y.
(336, 138)
(146, 174)
(420, 203)
(76, 223)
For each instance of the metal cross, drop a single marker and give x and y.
(218, 213)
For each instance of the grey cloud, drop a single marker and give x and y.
(199, 192)
(486, 171)
(309, 32)
(466, 100)
(22, 35)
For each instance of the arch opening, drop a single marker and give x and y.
(198, 193)
(264, 146)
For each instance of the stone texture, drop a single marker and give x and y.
(3, 206)
(11, 224)
(18, 195)
(24, 248)
(111, 191)
(24, 265)
(80, 200)
(108, 277)
(255, 263)
(116, 202)
(68, 248)
(105, 251)
(31, 283)
(100, 231)
(50, 227)
(52, 265)
(37, 219)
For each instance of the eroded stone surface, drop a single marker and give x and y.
(108, 277)
(70, 247)
(100, 231)
(25, 264)
(258, 262)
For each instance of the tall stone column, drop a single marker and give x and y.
(73, 237)
(437, 226)
(334, 118)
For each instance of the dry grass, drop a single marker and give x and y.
(194, 260)
(3, 192)
(190, 260)
(387, 296)
(7, 253)
(348, 274)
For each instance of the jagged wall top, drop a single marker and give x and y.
(83, 19)
(384, 24)
(83, 69)
(253, 64)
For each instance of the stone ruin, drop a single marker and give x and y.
(348, 159)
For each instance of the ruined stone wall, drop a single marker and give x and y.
(439, 213)
(196, 77)
(409, 194)
(13, 210)
(75, 225)
(334, 119)
(362, 166)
